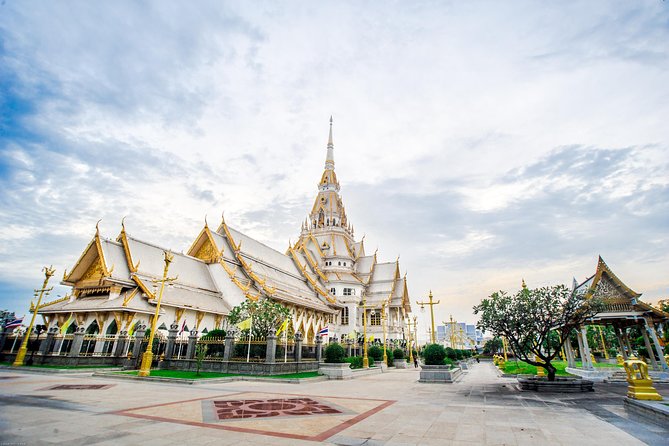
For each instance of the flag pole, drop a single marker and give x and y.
(285, 345)
(248, 351)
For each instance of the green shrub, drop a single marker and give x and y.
(448, 361)
(390, 357)
(398, 353)
(375, 352)
(643, 351)
(334, 353)
(666, 349)
(434, 354)
(355, 361)
(450, 353)
(371, 360)
(458, 354)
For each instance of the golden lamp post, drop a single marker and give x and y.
(409, 340)
(383, 324)
(415, 331)
(145, 368)
(20, 356)
(365, 358)
(422, 308)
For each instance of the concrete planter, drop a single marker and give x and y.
(464, 365)
(560, 385)
(439, 374)
(400, 363)
(336, 370)
(598, 375)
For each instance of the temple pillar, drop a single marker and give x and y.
(192, 342)
(626, 341)
(319, 348)
(171, 340)
(77, 341)
(229, 345)
(658, 348)
(270, 351)
(140, 332)
(121, 344)
(298, 346)
(47, 344)
(3, 338)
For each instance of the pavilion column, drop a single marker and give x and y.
(658, 348)
(649, 349)
(626, 340)
(569, 352)
(621, 343)
(586, 348)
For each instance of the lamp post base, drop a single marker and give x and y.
(20, 356)
(145, 368)
(365, 362)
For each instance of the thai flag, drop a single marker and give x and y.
(13, 324)
(324, 331)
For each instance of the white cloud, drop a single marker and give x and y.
(479, 141)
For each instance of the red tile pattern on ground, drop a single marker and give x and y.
(230, 409)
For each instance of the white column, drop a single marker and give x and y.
(621, 344)
(651, 353)
(586, 348)
(658, 347)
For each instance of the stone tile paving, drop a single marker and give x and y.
(480, 409)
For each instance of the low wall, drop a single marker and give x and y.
(653, 411)
(560, 385)
(69, 361)
(438, 374)
(244, 368)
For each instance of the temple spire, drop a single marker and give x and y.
(329, 161)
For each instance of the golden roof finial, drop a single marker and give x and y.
(123, 224)
(206, 225)
(97, 227)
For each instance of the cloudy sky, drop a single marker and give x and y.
(484, 142)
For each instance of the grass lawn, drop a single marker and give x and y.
(180, 374)
(523, 368)
(526, 369)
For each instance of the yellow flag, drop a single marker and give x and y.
(244, 325)
(371, 338)
(132, 330)
(66, 324)
(282, 327)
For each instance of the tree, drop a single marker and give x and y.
(527, 319)
(493, 346)
(266, 313)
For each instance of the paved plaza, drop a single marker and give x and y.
(390, 409)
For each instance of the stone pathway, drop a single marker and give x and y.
(382, 409)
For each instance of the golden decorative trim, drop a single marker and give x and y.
(178, 313)
(130, 296)
(54, 301)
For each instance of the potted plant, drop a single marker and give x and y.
(335, 365)
(399, 360)
(435, 370)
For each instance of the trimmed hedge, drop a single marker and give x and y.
(375, 352)
(434, 354)
(334, 353)
(398, 353)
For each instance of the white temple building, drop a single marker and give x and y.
(322, 278)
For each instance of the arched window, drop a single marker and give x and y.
(344, 316)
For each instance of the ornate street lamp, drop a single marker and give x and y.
(365, 358)
(422, 309)
(20, 356)
(145, 368)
